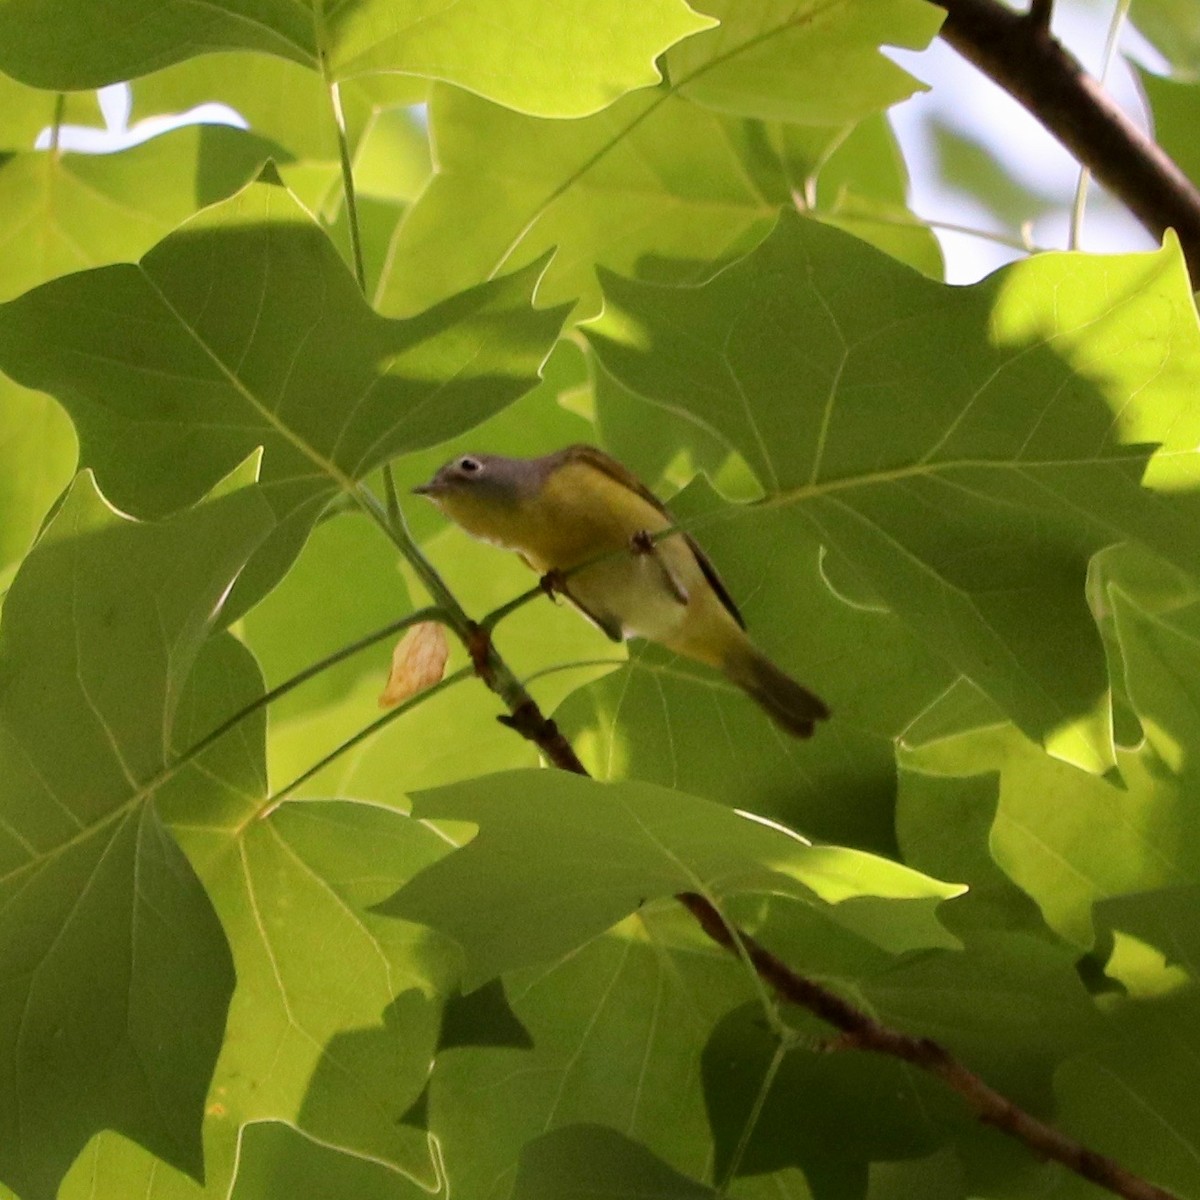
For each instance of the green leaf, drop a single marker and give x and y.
(810, 1104)
(568, 1161)
(649, 180)
(774, 59)
(335, 1016)
(119, 971)
(600, 850)
(1008, 1005)
(967, 165)
(174, 385)
(1132, 1097)
(276, 1160)
(642, 1001)
(332, 596)
(279, 99)
(944, 824)
(37, 460)
(1068, 838)
(1155, 939)
(654, 186)
(334, 1020)
(1175, 105)
(71, 211)
(1170, 26)
(938, 1176)
(530, 54)
(865, 398)
(546, 57)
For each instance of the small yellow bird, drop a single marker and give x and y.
(578, 505)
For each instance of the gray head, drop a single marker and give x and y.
(491, 478)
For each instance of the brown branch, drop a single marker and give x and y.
(1017, 51)
(863, 1032)
(859, 1030)
(1040, 13)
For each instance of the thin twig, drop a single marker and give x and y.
(60, 108)
(276, 797)
(1035, 68)
(524, 716)
(288, 685)
(863, 1032)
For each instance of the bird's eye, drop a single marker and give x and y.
(470, 465)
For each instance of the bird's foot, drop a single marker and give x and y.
(643, 543)
(554, 583)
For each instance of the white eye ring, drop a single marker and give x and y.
(470, 465)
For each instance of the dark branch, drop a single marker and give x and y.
(862, 1032)
(1017, 52)
(1040, 12)
(859, 1030)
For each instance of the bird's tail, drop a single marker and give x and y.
(790, 705)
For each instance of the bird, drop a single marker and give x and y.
(599, 537)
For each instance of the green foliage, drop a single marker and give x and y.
(257, 940)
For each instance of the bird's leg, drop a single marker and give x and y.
(642, 543)
(554, 583)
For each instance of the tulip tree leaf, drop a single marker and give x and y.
(38, 452)
(1170, 25)
(773, 59)
(275, 1159)
(653, 186)
(279, 99)
(659, 842)
(643, 999)
(531, 54)
(567, 1161)
(1158, 1136)
(181, 380)
(118, 971)
(1030, 457)
(72, 211)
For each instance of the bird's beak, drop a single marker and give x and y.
(427, 489)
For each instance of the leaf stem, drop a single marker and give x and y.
(524, 716)
(753, 1117)
(276, 797)
(288, 685)
(60, 108)
(1120, 12)
(863, 1032)
(348, 193)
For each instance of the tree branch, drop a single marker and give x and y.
(863, 1032)
(1018, 52)
(860, 1031)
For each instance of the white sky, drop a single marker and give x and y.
(959, 98)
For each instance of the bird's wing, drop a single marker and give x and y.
(593, 457)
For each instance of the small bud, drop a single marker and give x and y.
(418, 662)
